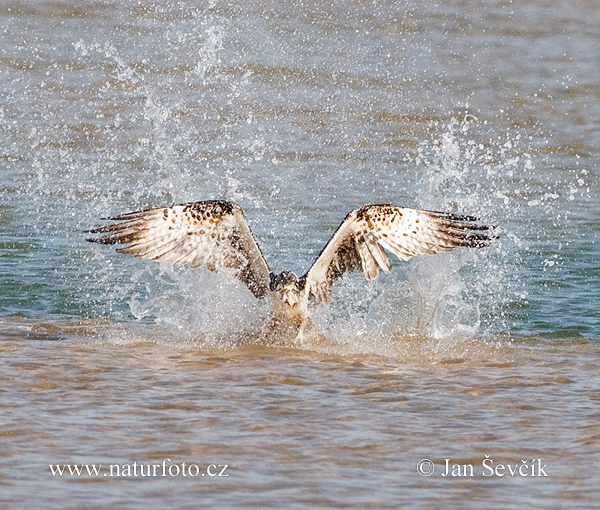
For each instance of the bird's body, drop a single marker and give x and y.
(215, 234)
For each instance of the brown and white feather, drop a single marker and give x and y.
(362, 238)
(214, 234)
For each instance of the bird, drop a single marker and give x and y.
(216, 234)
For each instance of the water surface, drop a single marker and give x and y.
(299, 114)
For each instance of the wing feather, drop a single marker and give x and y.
(214, 234)
(376, 249)
(364, 235)
(368, 262)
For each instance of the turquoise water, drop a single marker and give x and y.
(299, 114)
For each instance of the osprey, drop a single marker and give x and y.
(216, 234)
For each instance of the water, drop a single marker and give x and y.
(299, 114)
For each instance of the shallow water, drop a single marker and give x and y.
(320, 427)
(300, 114)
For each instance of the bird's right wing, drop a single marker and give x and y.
(361, 239)
(214, 234)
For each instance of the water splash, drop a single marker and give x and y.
(194, 304)
(446, 298)
(466, 293)
(469, 168)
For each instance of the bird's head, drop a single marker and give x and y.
(288, 286)
(284, 280)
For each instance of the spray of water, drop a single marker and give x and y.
(455, 297)
(196, 305)
(449, 299)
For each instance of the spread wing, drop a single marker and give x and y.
(214, 234)
(362, 238)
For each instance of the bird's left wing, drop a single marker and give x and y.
(214, 234)
(362, 238)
